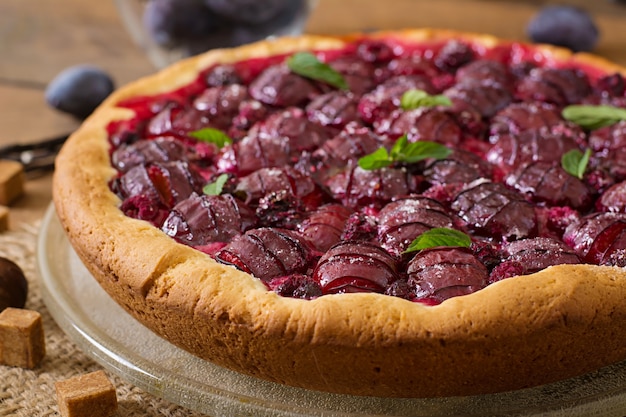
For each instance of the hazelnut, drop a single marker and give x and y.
(13, 285)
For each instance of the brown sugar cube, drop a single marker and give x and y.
(4, 219)
(89, 395)
(21, 338)
(11, 181)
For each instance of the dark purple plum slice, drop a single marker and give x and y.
(267, 253)
(597, 236)
(445, 272)
(324, 227)
(549, 183)
(357, 187)
(401, 221)
(490, 209)
(353, 266)
(553, 85)
(202, 219)
(385, 98)
(278, 86)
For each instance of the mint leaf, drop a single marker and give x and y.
(593, 117)
(439, 236)
(211, 135)
(575, 162)
(413, 99)
(404, 151)
(380, 158)
(424, 149)
(307, 65)
(216, 187)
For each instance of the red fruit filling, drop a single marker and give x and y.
(300, 214)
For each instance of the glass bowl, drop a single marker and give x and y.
(220, 32)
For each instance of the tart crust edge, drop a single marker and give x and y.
(558, 323)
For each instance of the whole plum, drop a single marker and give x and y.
(566, 26)
(247, 11)
(79, 89)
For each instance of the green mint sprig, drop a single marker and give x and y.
(575, 162)
(307, 65)
(216, 187)
(404, 151)
(437, 237)
(592, 117)
(413, 99)
(211, 135)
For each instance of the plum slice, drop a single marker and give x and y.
(385, 98)
(445, 272)
(545, 182)
(277, 141)
(161, 149)
(512, 151)
(560, 86)
(278, 86)
(423, 123)
(202, 219)
(324, 227)
(355, 266)
(266, 181)
(401, 221)
(598, 238)
(527, 256)
(492, 210)
(357, 187)
(267, 253)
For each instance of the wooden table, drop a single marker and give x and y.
(39, 38)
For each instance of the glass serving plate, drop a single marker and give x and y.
(110, 336)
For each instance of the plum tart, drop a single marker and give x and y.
(418, 213)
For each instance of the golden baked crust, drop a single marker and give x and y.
(561, 322)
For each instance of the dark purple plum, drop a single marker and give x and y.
(564, 25)
(276, 142)
(266, 181)
(334, 109)
(353, 266)
(445, 272)
(453, 55)
(549, 183)
(609, 146)
(492, 210)
(559, 86)
(485, 99)
(597, 237)
(539, 253)
(161, 149)
(513, 151)
(324, 226)
(613, 199)
(424, 123)
(357, 187)
(278, 86)
(461, 167)
(353, 142)
(267, 253)
(402, 220)
(385, 98)
(171, 23)
(247, 11)
(79, 89)
(202, 219)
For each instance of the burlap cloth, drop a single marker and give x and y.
(30, 393)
